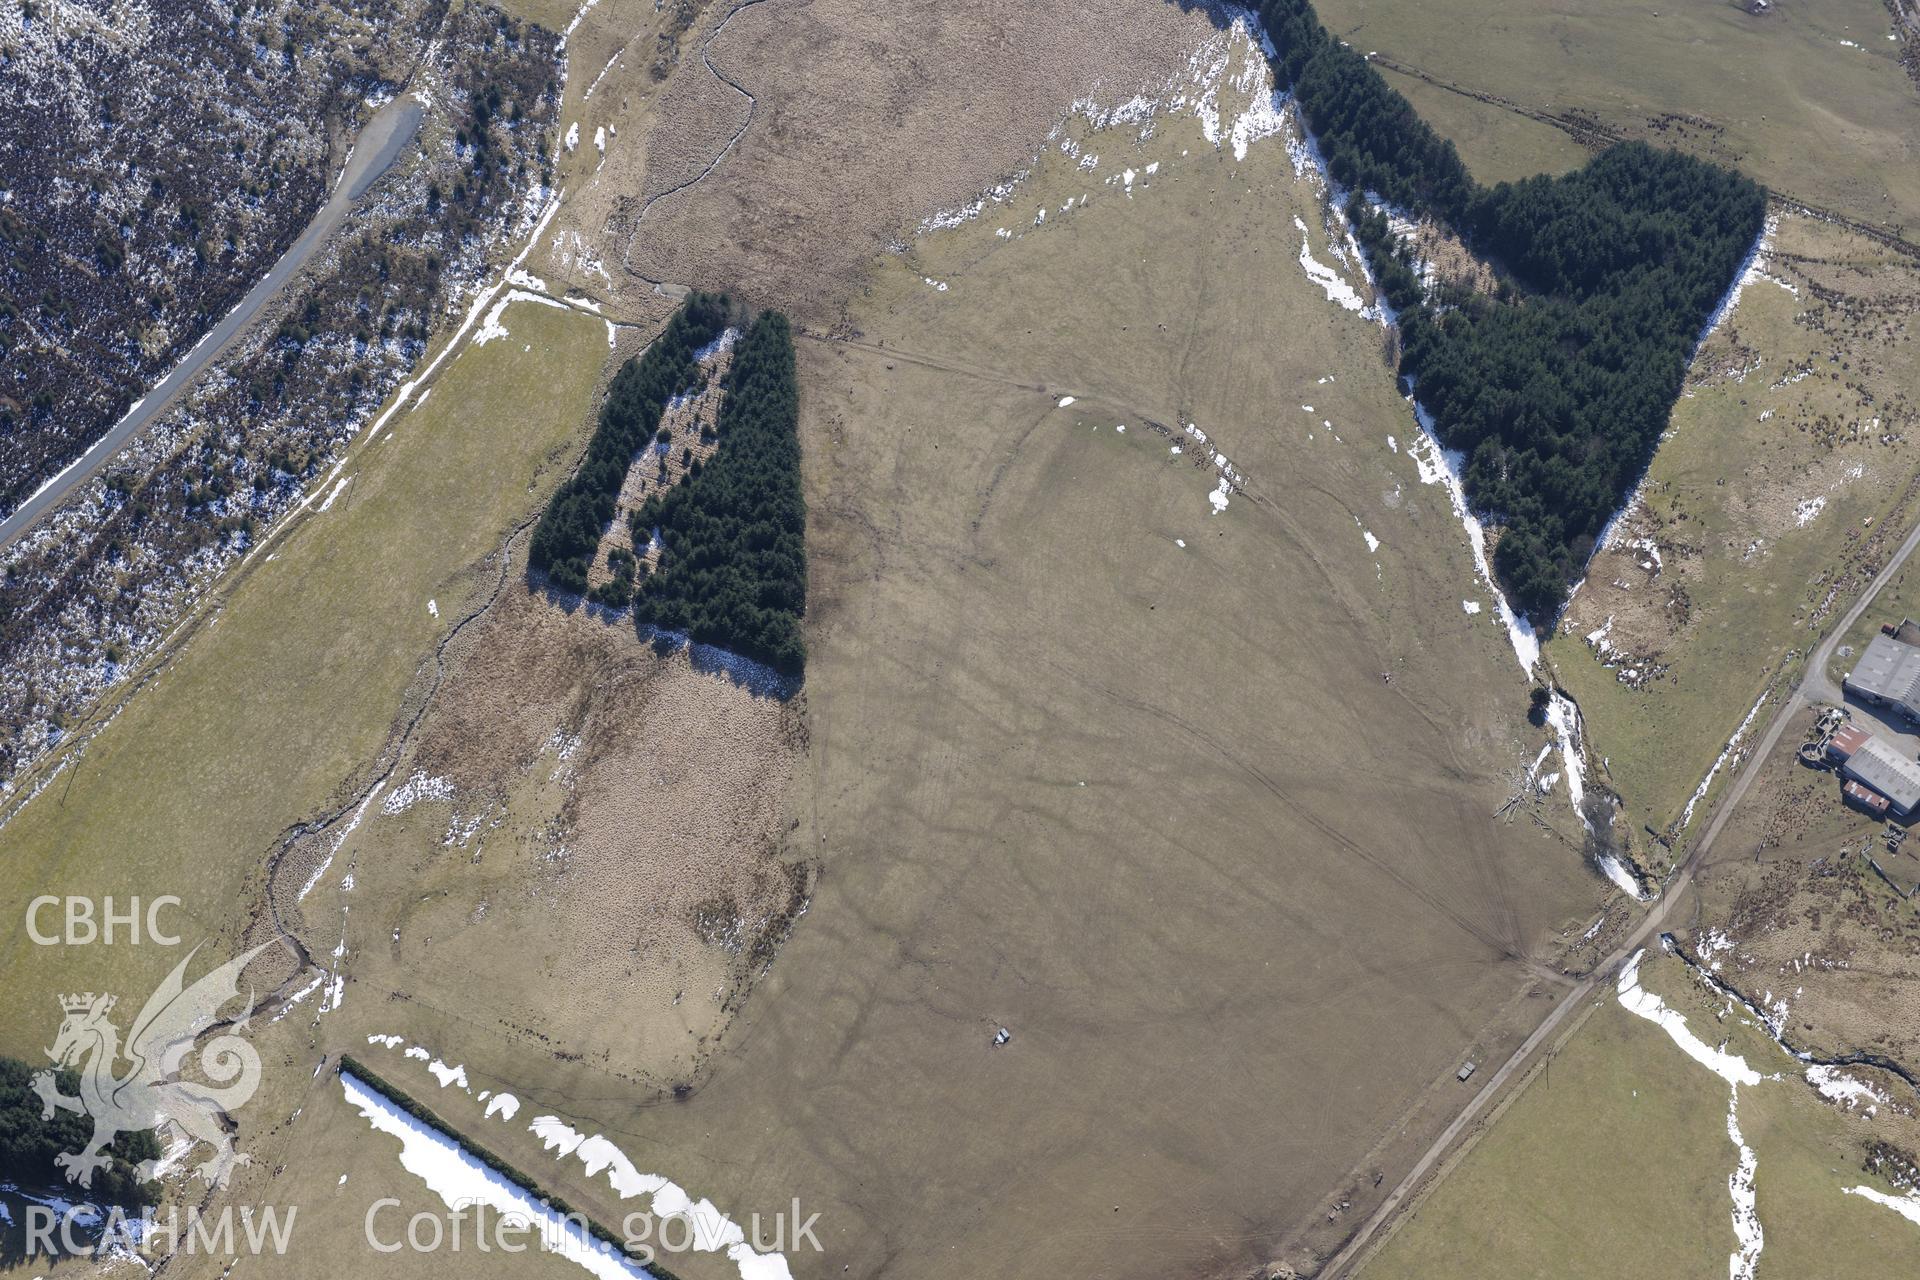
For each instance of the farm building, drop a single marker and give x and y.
(1888, 675)
(1882, 769)
(1846, 740)
(1861, 798)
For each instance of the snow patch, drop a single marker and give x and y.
(1726, 753)
(1844, 1090)
(491, 327)
(462, 1181)
(1907, 1206)
(1637, 1000)
(339, 485)
(1753, 268)
(1263, 119)
(415, 789)
(1436, 466)
(1745, 1260)
(1331, 282)
(447, 1075)
(713, 1231)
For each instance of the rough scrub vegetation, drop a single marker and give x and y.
(155, 158)
(1557, 385)
(733, 562)
(102, 581)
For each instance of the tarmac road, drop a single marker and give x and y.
(378, 146)
(1814, 687)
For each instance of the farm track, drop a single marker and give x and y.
(1814, 686)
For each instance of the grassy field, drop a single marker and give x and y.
(288, 692)
(1782, 485)
(1779, 94)
(1616, 1161)
(1810, 1157)
(1613, 1162)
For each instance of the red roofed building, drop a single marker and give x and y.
(1846, 740)
(1861, 798)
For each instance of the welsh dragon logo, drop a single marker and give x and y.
(150, 1092)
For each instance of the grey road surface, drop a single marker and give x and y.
(1814, 686)
(379, 145)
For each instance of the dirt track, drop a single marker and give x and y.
(1814, 686)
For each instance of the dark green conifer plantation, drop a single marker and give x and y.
(1557, 391)
(29, 1142)
(733, 566)
(569, 530)
(732, 570)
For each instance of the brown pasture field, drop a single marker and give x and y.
(1200, 807)
(1241, 902)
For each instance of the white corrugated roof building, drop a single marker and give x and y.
(1880, 766)
(1888, 674)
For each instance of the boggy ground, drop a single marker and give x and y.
(853, 120)
(609, 818)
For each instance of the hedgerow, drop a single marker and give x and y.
(350, 1065)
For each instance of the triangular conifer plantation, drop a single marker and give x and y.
(1556, 386)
